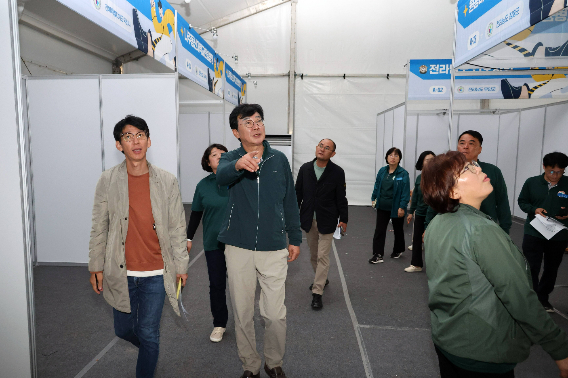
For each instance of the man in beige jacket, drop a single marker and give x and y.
(137, 251)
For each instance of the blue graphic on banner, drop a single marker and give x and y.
(430, 79)
(470, 11)
(145, 24)
(234, 86)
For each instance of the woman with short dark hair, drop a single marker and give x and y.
(390, 198)
(209, 202)
(419, 208)
(484, 314)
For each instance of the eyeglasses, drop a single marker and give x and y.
(324, 147)
(553, 173)
(473, 167)
(249, 123)
(129, 137)
(394, 155)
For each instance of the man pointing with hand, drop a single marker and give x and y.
(262, 210)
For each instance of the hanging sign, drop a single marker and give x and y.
(148, 25)
(484, 24)
(429, 79)
(235, 86)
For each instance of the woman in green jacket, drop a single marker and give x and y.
(484, 314)
(418, 209)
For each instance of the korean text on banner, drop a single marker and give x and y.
(145, 24)
(483, 24)
(235, 86)
(197, 60)
(430, 79)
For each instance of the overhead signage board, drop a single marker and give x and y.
(484, 24)
(235, 86)
(145, 24)
(429, 79)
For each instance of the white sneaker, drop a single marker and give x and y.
(217, 334)
(410, 248)
(412, 269)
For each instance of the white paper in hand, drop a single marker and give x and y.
(547, 226)
(337, 233)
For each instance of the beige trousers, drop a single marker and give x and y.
(320, 246)
(244, 267)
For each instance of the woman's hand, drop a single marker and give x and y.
(400, 213)
(409, 219)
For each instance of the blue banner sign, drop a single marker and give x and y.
(429, 79)
(235, 86)
(145, 24)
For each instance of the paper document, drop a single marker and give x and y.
(547, 226)
(337, 233)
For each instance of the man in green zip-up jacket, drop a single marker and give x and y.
(545, 195)
(262, 209)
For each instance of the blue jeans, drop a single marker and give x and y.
(142, 326)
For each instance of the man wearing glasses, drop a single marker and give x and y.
(496, 205)
(545, 195)
(137, 251)
(262, 210)
(320, 190)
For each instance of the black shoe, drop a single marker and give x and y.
(376, 259)
(326, 283)
(316, 302)
(548, 307)
(396, 255)
(277, 372)
(249, 374)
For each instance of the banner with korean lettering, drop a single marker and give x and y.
(145, 24)
(429, 79)
(235, 86)
(511, 86)
(197, 60)
(484, 24)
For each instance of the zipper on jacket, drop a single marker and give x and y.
(230, 215)
(258, 200)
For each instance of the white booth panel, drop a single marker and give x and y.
(231, 142)
(272, 94)
(64, 120)
(410, 155)
(556, 129)
(388, 135)
(432, 133)
(217, 128)
(398, 128)
(193, 141)
(152, 98)
(379, 158)
(507, 151)
(529, 161)
(488, 126)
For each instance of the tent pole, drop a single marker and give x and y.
(453, 79)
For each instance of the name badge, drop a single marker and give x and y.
(400, 178)
(562, 195)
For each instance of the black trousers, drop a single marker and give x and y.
(417, 241)
(449, 370)
(551, 251)
(383, 218)
(217, 269)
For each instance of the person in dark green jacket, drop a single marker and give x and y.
(496, 205)
(390, 198)
(418, 208)
(484, 313)
(262, 210)
(210, 202)
(545, 195)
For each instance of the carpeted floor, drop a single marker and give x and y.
(388, 306)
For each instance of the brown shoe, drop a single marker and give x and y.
(249, 374)
(277, 372)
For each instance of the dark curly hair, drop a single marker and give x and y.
(205, 159)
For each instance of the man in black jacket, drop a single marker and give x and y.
(320, 190)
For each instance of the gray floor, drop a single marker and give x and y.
(389, 308)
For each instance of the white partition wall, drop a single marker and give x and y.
(507, 151)
(152, 97)
(64, 119)
(409, 153)
(194, 138)
(556, 129)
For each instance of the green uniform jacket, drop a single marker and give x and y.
(417, 204)
(535, 194)
(401, 189)
(496, 205)
(211, 198)
(481, 300)
(262, 205)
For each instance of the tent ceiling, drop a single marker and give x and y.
(201, 12)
